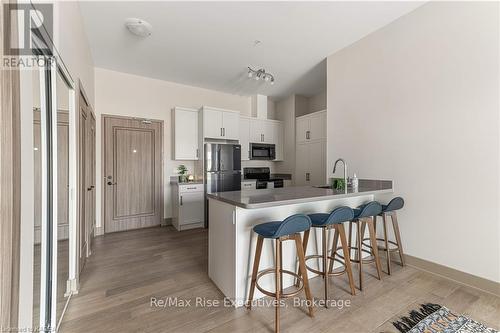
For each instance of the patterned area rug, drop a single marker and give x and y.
(434, 318)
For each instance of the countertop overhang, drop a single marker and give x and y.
(251, 199)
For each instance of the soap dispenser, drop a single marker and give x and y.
(355, 182)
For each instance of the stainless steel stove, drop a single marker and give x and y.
(262, 177)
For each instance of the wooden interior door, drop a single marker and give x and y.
(132, 173)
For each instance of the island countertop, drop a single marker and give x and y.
(264, 198)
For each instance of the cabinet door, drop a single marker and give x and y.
(256, 130)
(317, 168)
(268, 131)
(230, 124)
(278, 140)
(191, 207)
(302, 164)
(186, 135)
(317, 126)
(301, 129)
(245, 138)
(212, 124)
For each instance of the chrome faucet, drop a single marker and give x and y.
(345, 170)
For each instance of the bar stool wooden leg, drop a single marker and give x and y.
(302, 266)
(359, 256)
(278, 286)
(304, 246)
(334, 247)
(373, 243)
(386, 241)
(395, 226)
(339, 228)
(255, 271)
(325, 262)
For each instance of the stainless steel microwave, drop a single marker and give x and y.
(262, 151)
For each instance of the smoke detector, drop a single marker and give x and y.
(139, 27)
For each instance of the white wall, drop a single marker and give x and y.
(130, 95)
(418, 102)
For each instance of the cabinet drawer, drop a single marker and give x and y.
(184, 188)
(248, 185)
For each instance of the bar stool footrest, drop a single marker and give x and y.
(283, 271)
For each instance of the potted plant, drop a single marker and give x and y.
(182, 171)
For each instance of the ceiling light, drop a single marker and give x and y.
(260, 74)
(139, 27)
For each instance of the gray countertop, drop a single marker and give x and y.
(298, 194)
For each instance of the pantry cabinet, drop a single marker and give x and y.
(311, 127)
(310, 168)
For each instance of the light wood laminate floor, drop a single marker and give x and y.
(127, 269)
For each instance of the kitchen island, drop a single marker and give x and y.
(232, 215)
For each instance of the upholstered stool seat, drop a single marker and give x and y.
(364, 216)
(288, 229)
(326, 222)
(278, 229)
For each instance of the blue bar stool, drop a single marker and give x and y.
(288, 229)
(390, 210)
(326, 222)
(365, 216)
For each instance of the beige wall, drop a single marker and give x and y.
(317, 102)
(130, 95)
(418, 102)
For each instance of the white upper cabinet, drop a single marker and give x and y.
(212, 123)
(256, 130)
(185, 132)
(231, 125)
(220, 124)
(310, 127)
(245, 138)
(262, 131)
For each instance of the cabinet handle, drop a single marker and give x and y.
(308, 135)
(197, 152)
(263, 137)
(224, 131)
(308, 176)
(221, 131)
(181, 200)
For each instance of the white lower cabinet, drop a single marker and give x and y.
(310, 163)
(188, 206)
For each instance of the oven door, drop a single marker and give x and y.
(260, 151)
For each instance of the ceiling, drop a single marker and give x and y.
(210, 44)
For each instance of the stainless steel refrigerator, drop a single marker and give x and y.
(222, 169)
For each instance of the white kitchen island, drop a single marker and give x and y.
(231, 240)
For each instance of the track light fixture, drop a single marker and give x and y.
(260, 74)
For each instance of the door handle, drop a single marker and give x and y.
(110, 183)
